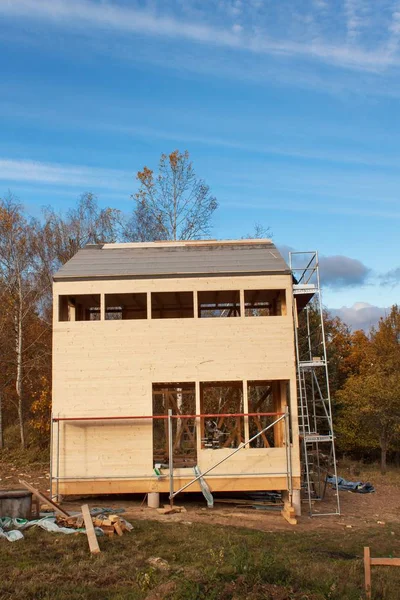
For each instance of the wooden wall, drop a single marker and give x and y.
(107, 368)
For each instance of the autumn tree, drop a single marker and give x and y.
(171, 205)
(20, 291)
(370, 398)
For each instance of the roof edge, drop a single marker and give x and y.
(61, 278)
(183, 243)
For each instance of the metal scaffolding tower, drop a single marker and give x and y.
(314, 402)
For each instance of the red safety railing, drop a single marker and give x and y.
(201, 416)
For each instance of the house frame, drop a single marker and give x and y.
(210, 322)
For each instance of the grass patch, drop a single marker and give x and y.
(204, 562)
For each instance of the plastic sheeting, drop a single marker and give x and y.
(11, 529)
(350, 486)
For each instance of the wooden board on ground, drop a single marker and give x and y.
(289, 514)
(90, 532)
(169, 510)
(45, 499)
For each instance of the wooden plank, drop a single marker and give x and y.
(45, 499)
(386, 562)
(90, 532)
(288, 514)
(367, 572)
(143, 486)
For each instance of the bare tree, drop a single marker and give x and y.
(259, 232)
(17, 279)
(64, 235)
(173, 205)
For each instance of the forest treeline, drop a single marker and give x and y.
(171, 204)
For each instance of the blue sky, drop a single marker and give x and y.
(290, 111)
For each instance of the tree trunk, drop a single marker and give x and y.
(18, 350)
(383, 453)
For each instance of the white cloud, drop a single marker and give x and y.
(259, 36)
(66, 175)
(361, 315)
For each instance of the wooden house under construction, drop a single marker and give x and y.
(200, 330)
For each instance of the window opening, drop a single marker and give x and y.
(84, 307)
(172, 305)
(125, 306)
(266, 397)
(224, 303)
(264, 303)
(181, 398)
(221, 398)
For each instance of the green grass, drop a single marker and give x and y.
(205, 562)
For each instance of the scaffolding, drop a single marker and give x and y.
(314, 402)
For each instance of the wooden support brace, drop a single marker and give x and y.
(45, 499)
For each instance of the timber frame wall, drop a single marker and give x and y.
(105, 368)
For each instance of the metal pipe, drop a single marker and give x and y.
(288, 454)
(170, 459)
(58, 461)
(229, 456)
(51, 456)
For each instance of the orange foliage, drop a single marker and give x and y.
(41, 408)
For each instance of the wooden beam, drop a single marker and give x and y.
(45, 499)
(90, 532)
(367, 572)
(386, 562)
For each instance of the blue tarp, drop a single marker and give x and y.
(350, 486)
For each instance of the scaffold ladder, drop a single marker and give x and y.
(314, 401)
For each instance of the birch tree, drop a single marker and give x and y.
(171, 205)
(16, 273)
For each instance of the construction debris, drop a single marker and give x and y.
(158, 563)
(102, 523)
(108, 523)
(169, 510)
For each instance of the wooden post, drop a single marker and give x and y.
(367, 572)
(90, 532)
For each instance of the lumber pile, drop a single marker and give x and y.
(110, 524)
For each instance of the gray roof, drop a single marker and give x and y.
(159, 259)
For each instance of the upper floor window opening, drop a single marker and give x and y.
(83, 307)
(264, 303)
(172, 305)
(125, 306)
(224, 303)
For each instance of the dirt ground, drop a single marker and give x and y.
(358, 511)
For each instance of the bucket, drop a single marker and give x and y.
(153, 500)
(16, 504)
